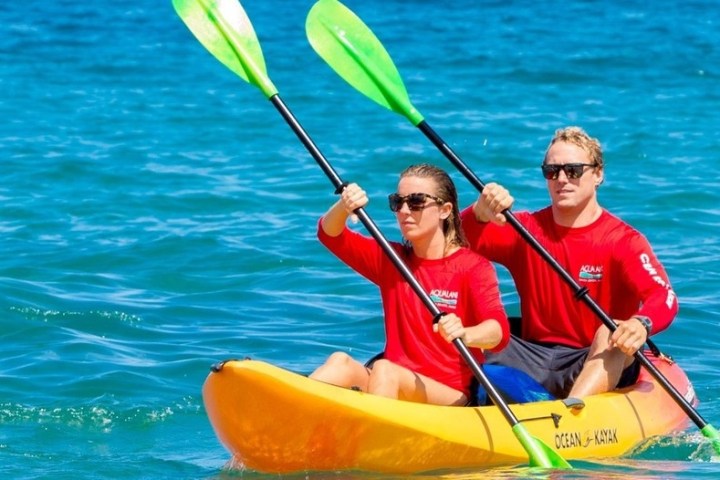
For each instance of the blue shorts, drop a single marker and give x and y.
(555, 367)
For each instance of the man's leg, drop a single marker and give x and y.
(603, 367)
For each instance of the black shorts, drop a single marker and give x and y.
(555, 367)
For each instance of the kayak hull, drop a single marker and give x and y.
(275, 421)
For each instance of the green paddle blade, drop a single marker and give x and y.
(710, 432)
(353, 51)
(540, 454)
(223, 27)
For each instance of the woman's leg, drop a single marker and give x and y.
(390, 380)
(344, 371)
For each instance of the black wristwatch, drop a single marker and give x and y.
(647, 323)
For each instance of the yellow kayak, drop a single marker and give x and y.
(272, 420)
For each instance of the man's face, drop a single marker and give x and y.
(572, 193)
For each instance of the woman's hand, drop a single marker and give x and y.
(450, 327)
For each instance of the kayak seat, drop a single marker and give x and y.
(513, 385)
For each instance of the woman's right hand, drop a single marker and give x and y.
(353, 197)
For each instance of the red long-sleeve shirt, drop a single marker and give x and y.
(463, 283)
(614, 261)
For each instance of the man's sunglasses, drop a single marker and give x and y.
(415, 201)
(572, 170)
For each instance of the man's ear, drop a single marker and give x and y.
(600, 178)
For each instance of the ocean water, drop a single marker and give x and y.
(158, 215)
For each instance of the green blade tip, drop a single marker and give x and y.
(350, 48)
(224, 29)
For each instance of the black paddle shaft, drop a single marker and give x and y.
(392, 254)
(360, 212)
(580, 292)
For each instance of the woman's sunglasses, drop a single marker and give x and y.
(572, 170)
(415, 201)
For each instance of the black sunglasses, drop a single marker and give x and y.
(572, 170)
(415, 201)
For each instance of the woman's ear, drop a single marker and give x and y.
(445, 210)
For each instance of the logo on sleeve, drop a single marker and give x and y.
(655, 275)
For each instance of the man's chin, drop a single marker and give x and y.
(564, 203)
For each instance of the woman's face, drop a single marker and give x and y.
(427, 219)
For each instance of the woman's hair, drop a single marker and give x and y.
(577, 136)
(452, 228)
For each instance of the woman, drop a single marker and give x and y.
(418, 364)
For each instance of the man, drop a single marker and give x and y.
(563, 345)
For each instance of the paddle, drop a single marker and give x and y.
(355, 53)
(225, 30)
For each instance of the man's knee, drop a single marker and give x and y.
(601, 340)
(602, 335)
(601, 346)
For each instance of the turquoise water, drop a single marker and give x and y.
(158, 215)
